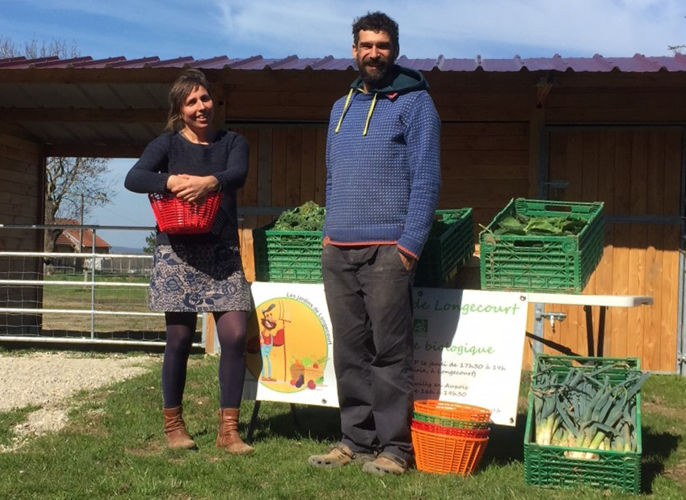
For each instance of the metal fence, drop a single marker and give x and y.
(87, 297)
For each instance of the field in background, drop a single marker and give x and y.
(106, 298)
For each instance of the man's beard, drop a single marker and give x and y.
(375, 78)
(269, 325)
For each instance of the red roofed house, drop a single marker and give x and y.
(78, 241)
(71, 239)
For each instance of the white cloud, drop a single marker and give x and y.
(456, 27)
(316, 28)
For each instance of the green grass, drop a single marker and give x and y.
(11, 418)
(113, 448)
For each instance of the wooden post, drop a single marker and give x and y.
(209, 333)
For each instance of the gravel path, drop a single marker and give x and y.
(48, 380)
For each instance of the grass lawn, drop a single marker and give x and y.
(113, 448)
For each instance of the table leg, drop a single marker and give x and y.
(295, 417)
(589, 330)
(536, 345)
(601, 331)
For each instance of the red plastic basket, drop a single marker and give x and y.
(175, 216)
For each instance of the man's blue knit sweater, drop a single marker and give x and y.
(383, 165)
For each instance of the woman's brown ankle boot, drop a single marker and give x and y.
(175, 430)
(228, 437)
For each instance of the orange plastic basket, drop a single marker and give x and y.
(456, 411)
(444, 454)
(175, 216)
(450, 431)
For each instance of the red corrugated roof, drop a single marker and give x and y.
(71, 236)
(596, 64)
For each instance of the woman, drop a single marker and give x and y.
(201, 272)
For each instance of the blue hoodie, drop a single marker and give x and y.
(383, 165)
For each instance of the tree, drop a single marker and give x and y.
(150, 241)
(677, 49)
(74, 186)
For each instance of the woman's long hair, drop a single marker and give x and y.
(189, 80)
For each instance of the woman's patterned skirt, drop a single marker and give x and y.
(198, 278)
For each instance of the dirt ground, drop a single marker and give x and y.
(48, 380)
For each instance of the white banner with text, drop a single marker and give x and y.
(468, 347)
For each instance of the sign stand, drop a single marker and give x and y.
(253, 419)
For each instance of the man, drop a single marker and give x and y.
(383, 180)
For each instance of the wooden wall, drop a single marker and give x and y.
(492, 152)
(21, 202)
(637, 173)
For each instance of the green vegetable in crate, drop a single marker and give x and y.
(307, 217)
(587, 409)
(546, 226)
(439, 225)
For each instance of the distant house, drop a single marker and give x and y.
(79, 240)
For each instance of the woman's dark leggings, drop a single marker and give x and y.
(231, 329)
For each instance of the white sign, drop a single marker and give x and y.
(468, 347)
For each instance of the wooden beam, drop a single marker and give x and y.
(536, 124)
(542, 91)
(96, 151)
(91, 75)
(83, 115)
(14, 130)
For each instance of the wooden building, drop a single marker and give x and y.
(583, 129)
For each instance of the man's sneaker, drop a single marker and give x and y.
(386, 463)
(339, 456)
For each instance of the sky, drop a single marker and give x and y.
(317, 28)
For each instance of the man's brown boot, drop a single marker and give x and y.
(175, 430)
(228, 437)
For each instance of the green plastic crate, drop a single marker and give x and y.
(547, 466)
(558, 264)
(287, 256)
(445, 254)
(295, 256)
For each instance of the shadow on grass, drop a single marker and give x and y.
(323, 424)
(657, 448)
(298, 421)
(506, 444)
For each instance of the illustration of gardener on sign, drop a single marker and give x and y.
(287, 348)
(267, 341)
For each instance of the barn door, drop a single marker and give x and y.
(637, 173)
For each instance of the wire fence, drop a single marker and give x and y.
(88, 296)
